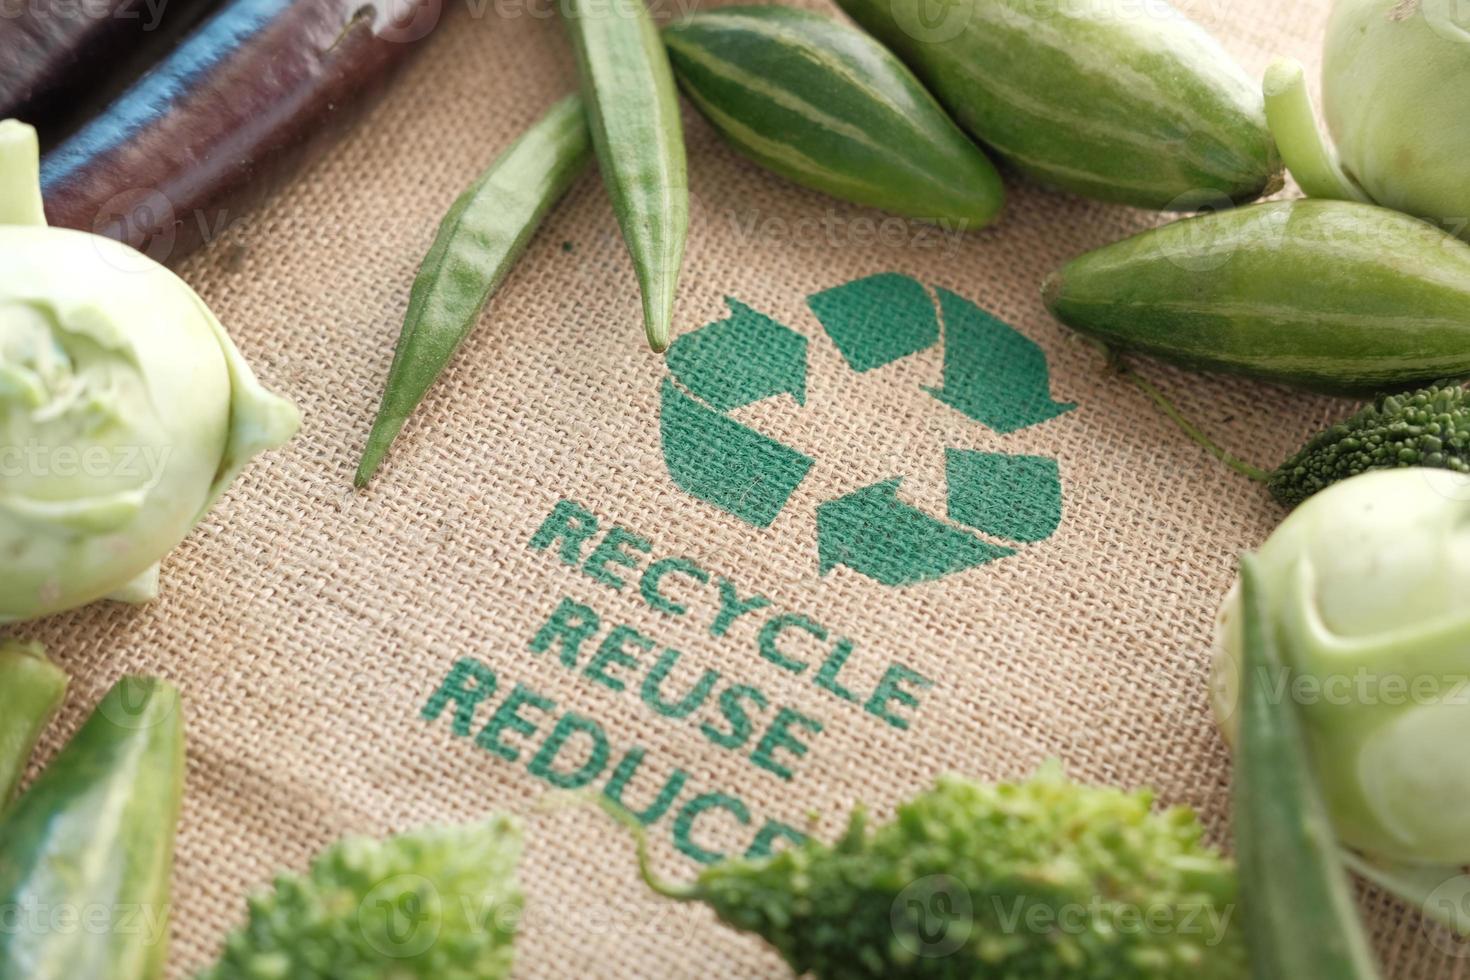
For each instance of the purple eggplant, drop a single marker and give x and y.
(58, 56)
(175, 160)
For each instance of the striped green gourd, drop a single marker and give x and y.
(1130, 103)
(823, 104)
(94, 838)
(1329, 296)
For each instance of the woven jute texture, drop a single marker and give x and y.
(308, 624)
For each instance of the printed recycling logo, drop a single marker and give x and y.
(992, 374)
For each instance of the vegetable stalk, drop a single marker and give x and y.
(1293, 122)
(31, 691)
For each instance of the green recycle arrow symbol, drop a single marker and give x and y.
(740, 360)
(751, 476)
(875, 533)
(992, 373)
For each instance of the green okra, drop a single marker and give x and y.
(1301, 919)
(633, 111)
(481, 237)
(823, 104)
(31, 691)
(95, 835)
(1137, 106)
(1330, 296)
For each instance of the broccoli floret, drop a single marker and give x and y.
(1429, 427)
(433, 904)
(1041, 880)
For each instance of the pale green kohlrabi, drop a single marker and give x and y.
(125, 410)
(1368, 587)
(1395, 76)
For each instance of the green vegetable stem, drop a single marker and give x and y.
(633, 111)
(479, 240)
(1301, 919)
(823, 104)
(95, 834)
(1393, 77)
(1330, 296)
(1293, 121)
(31, 691)
(1143, 108)
(1011, 881)
(1426, 428)
(431, 904)
(20, 175)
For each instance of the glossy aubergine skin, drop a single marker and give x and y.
(58, 56)
(179, 156)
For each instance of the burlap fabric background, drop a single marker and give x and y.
(307, 623)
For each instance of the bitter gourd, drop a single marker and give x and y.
(1039, 880)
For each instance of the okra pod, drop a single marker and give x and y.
(633, 112)
(95, 835)
(484, 232)
(31, 691)
(1301, 920)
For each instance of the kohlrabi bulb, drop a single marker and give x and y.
(1395, 74)
(1368, 587)
(125, 410)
